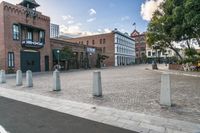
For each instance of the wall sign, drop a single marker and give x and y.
(31, 44)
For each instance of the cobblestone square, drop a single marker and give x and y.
(133, 88)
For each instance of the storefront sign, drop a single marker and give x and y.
(31, 44)
(91, 50)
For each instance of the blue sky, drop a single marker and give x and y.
(86, 17)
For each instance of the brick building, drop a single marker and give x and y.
(140, 46)
(119, 47)
(24, 38)
(83, 56)
(25, 42)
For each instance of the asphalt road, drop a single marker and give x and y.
(19, 117)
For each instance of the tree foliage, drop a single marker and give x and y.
(175, 21)
(67, 53)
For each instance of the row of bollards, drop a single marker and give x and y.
(29, 79)
(165, 92)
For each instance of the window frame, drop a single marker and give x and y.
(16, 36)
(11, 60)
(41, 40)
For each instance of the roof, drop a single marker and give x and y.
(32, 3)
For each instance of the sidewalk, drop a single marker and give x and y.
(123, 119)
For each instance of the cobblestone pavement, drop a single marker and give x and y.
(133, 88)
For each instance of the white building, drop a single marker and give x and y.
(124, 49)
(152, 53)
(54, 31)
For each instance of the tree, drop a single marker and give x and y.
(175, 21)
(66, 53)
(100, 59)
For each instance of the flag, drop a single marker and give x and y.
(134, 24)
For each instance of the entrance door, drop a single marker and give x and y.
(46, 63)
(30, 61)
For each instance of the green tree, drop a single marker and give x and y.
(67, 53)
(175, 21)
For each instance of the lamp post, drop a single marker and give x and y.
(58, 52)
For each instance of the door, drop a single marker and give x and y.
(30, 61)
(46, 63)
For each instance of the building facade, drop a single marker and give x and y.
(117, 46)
(24, 38)
(54, 30)
(25, 42)
(140, 46)
(82, 56)
(158, 55)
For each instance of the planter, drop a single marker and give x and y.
(175, 67)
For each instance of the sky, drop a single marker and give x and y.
(88, 17)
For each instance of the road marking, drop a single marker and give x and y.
(2, 130)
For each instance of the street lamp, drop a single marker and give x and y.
(58, 52)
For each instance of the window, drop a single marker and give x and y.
(16, 32)
(100, 41)
(87, 42)
(30, 35)
(11, 59)
(104, 50)
(104, 41)
(93, 42)
(149, 53)
(42, 37)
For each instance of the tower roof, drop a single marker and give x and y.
(29, 3)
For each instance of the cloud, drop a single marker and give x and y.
(106, 30)
(91, 20)
(149, 7)
(92, 12)
(70, 22)
(75, 30)
(67, 17)
(125, 18)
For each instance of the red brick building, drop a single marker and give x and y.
(119, 47)
(24, 38)
(140, 46)
(83, 56)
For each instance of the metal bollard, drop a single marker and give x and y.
(165, 92)
(56, 81)
(29, 79)
(2, 77)
(19, 81)
(97, 87)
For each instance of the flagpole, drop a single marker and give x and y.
(134, 24)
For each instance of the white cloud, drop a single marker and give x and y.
(106, 30)
(91, 19)
(72, 29)
(70, 22)
(149, 7)
(67, 17)
(92, 12)
(75, 30)
(125, 18)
